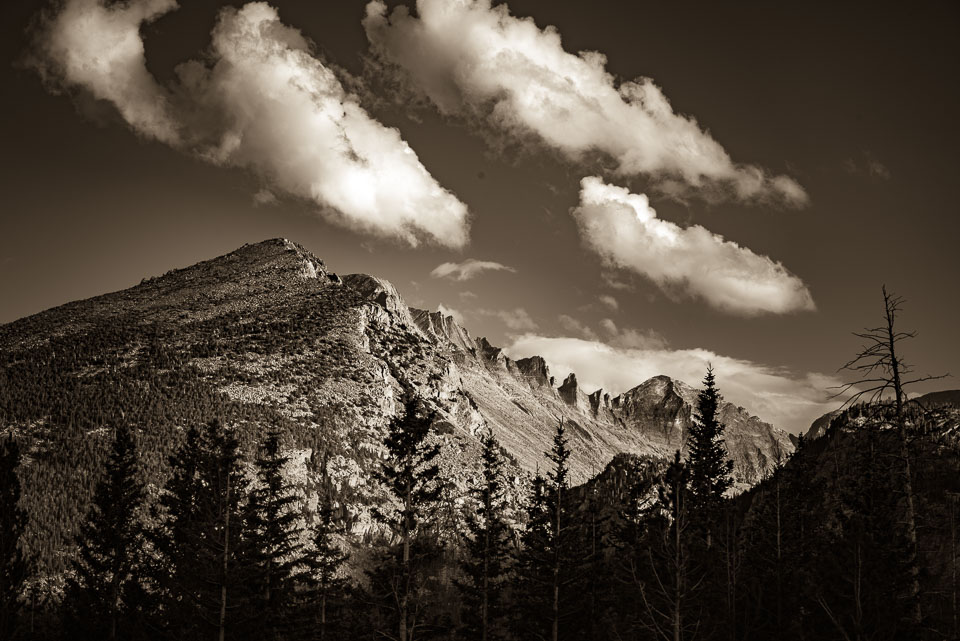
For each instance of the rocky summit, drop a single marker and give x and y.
(268, 337)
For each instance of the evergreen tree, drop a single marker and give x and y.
(632, 541)
(713, 526)
(709, 465)
(324, 600)
(487, 556)
(670, 582)
(200, 566)
(548, 559)
(13, 521)
(410, 473)
(272, 544)
(103, 594)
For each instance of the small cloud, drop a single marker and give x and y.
(610, 302)
(867, 165)
(468, 269)
(575, 327)
(517, 319)
(264, 197)
(450, 311)
(468, 295)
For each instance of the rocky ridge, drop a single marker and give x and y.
(268, 337)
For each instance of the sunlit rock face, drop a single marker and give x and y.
(267, 337)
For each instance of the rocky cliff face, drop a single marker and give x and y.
(267, 337)
(521, 402)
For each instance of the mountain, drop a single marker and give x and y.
(267, 337)
(949, 398)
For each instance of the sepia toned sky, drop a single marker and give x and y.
(627, 189)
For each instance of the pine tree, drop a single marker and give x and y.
(709, 465)
(13, 522)
(325, 589)
(631, 541)
(669, 579)
(714, 545)
(104, 592)
(410, 473)
(487, 549)
(272, 545)
(200, 566)
(547, 558)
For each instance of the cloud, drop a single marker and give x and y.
(259, 100)
(785, 399)
(449, 311)
(472, 59)
(517, 319)
(610, 301)
(574, 326)
(467, 269)
(868, 166)
(100, 49)
(264, 197)
(624, 230)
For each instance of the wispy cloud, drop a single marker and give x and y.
(867, 165)
(264, 198)
(473, 59)
(785, 399)
(450, 311)
(261, 100)
(624, 230)
(468, 269)
(517, 319)
(609, 301)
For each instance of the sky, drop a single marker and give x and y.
(626, 189)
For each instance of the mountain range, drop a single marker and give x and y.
(268, 337)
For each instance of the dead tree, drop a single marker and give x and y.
(879, 367)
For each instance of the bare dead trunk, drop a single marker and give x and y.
(911, 518)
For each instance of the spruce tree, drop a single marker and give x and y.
(13, 522)
(709, 465)
(714, 543)
(103, 594)
(200, 567)
(325, 593)
(272, 544)
(410, 473)
(669, 583)
(487, 556)
(547, 559)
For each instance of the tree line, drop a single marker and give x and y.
(844, 540)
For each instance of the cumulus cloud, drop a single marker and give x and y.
(468, 269)
(471, 58)
(787, 400)
(624, 230)
(260, 100)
